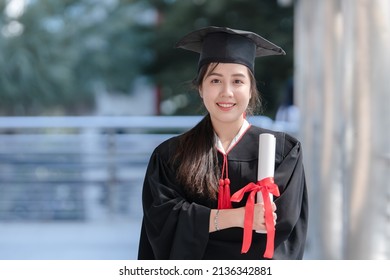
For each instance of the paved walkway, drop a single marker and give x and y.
(98, 240)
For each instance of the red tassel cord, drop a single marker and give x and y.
(224, 187)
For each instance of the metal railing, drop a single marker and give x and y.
(77, 168)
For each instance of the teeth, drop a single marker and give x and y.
(226, 105)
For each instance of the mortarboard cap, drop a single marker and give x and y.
(226, 45)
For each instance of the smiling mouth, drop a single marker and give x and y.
(226, 105)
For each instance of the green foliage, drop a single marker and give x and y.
(173, 66)
(65, 53)
(57, 55)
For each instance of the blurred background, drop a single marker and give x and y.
(88, 88)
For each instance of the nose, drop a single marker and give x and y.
(226, 90)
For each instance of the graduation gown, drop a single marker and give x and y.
(175, 225)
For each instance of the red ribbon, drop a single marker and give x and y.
(265, 186)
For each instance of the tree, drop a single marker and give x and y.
(171, 67)
(63, 52)
(56, 55)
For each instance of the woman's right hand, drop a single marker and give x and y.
(259, 216)
(235, 217)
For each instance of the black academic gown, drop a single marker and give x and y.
(176, 225)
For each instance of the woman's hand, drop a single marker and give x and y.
(259, 216)
(228, 218)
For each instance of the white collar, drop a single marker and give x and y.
(242, 130)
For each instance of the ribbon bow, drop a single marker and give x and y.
(265, 186)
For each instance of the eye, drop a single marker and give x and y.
(238, 81)
(215, 81)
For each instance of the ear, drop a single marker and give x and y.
(200, 92)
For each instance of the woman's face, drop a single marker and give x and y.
(226, 91)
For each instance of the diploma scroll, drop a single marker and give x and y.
(266, 162)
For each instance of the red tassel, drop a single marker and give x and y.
(224, 194)
(220, 194)
(224, 187)
(227, 201)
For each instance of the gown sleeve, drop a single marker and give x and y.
(172, 226)
(292, 204)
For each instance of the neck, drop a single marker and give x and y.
(227, 131)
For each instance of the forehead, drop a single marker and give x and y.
(227, 69)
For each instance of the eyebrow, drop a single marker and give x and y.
(220, 75)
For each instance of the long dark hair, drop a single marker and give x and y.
(198, 169)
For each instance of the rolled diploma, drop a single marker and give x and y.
(266, 162)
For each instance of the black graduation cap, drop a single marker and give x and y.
(226, 45)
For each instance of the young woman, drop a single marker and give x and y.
(187, 200)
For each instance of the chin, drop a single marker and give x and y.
(229, 119)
